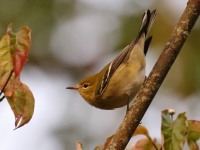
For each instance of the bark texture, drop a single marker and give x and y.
(152, 84)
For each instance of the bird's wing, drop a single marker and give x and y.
(110, 70)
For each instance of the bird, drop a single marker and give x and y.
(117, 84)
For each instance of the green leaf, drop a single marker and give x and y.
(193, 134)
(174, 132)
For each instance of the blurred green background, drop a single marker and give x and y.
(73, 38)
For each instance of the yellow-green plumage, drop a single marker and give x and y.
(118, 82)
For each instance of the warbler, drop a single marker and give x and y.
(119, 82)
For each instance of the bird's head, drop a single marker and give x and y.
(86, 88)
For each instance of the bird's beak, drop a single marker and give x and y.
(75, 87)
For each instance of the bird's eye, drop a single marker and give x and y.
(85, 85)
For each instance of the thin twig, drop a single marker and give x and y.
(152, 142)
(156, 77)
(1, 99)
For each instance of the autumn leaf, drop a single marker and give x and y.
(193, 134)
(19, 47)
(174, 131)
(143, 144)
(141, 130)
(14, 48)
(5, 60)
(21, 101)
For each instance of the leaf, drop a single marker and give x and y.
(79, 146)
(144, 144)
(174, 132)
(98, 148)
(141, 130)
(5, 60)
(193, 145)
(21, 101)
(193, 134)
(14, 49)
(20, 47)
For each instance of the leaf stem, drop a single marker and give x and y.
(1, 99)
(154, 145)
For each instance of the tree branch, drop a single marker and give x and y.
(156, 77)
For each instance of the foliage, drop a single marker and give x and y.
(14, 49)
(175, 133)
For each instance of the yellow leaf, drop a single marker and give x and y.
(5, 60)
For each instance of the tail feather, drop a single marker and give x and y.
(147, 22)
(146, 45)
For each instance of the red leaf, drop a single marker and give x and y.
(19, 60)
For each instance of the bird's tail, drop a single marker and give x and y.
(147, 21)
